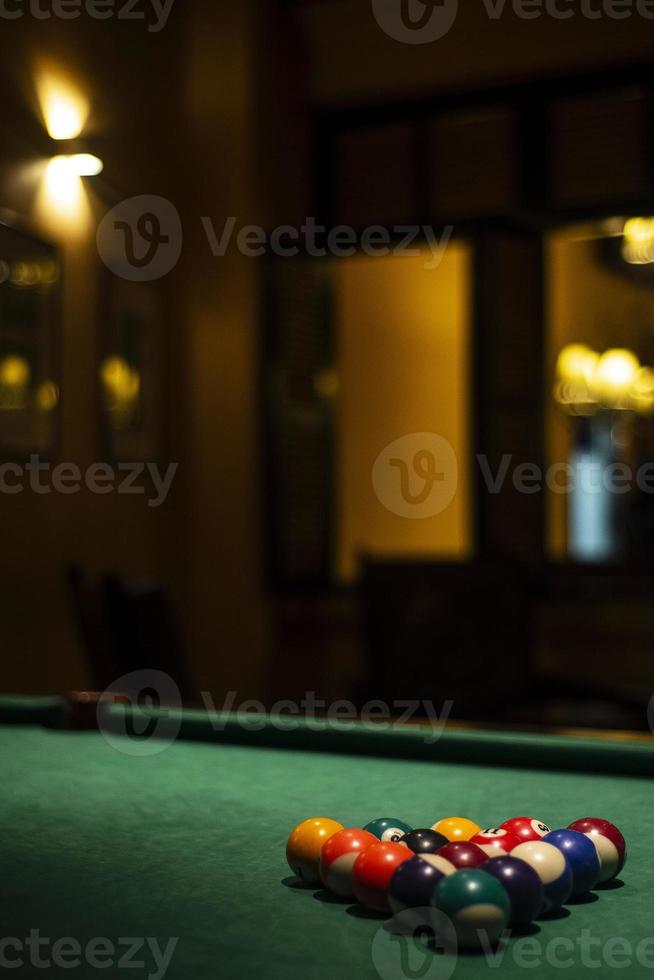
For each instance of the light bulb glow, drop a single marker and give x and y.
(64, 109)
(86, 164)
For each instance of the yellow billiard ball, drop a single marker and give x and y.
(305, 844)
(456, 828)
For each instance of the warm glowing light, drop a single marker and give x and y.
(86, 164)
(64, 109)
(14, 371)
(47, 396)
(577, 363)
(615, 374)
(638, 241)
(62, 187)
(122, 384)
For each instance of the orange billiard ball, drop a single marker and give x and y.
(305, 844)
(456, 828)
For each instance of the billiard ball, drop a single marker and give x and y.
(495, 841)
(372, 872)
(388, 829)
(610, 844)
(552, 869)
(456, 828)
(522, 885)
(475, 903)
(413, 882)
(463, 854)
(423, 841)
(337, 859)
(581, 854)
(305, 844)
(526, 828)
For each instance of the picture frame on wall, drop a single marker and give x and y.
(30, 341)
(131, 372)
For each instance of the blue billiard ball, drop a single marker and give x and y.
(413, 882)
(522, 885)
(581, 854)
(388, 829)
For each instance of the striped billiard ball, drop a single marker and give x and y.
(476, 904)
(552, 868)
(610, 844)
(388, 829)
(337, 859)
(495, 841)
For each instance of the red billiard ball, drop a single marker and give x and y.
(373, 870)
(463, 854)
(495, 841)
(337, 859)
(611, 845)
(526, 828)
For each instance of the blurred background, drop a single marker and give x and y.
(297, 394)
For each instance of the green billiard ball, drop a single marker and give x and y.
(476, 904)
(388, 829)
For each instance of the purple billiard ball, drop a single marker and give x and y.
(522, 885)
(581, 854)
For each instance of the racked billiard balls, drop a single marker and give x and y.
(581, 854)
(476, 904)
(337, 859)
(552, 869)
(305, 844)
(388, 829)
(610, 844)
(456, 828)
(413, 882)
(372, 872)
(522, 885)
(526, 828)
(423, 841)
(495, 841)
(463, 854)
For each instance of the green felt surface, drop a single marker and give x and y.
(189, 844)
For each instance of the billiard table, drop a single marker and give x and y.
(179, 833)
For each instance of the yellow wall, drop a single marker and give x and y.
(403, 353)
